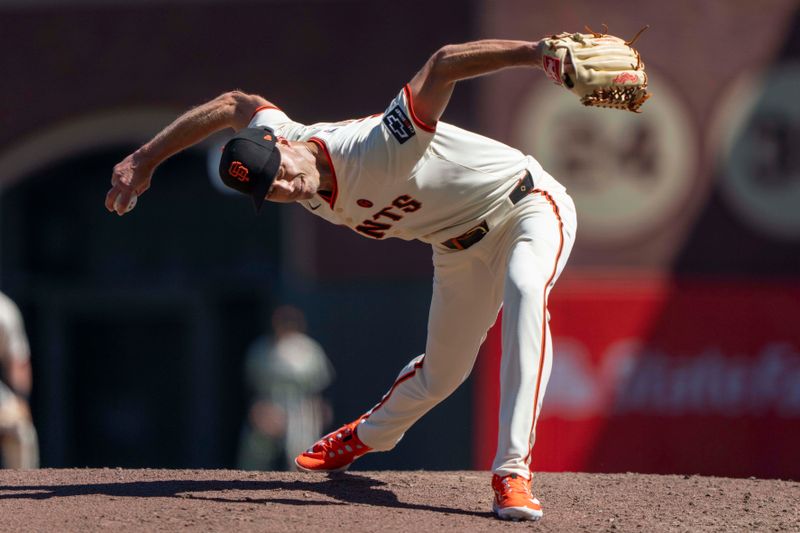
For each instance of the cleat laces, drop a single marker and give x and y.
(337, 444)
(514, 484)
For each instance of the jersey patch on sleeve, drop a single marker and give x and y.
(399, 124)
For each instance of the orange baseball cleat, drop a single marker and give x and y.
(513, 499)
(334, 452)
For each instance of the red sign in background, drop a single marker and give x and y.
(663, 377)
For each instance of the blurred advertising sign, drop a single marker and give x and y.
(755, 135)
(642, 183)
(629, 174)
(685, 377)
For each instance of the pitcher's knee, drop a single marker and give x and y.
(440, 387)
(526, 287)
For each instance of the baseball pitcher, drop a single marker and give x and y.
(501, 228)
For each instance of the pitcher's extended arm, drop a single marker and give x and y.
(132, 175)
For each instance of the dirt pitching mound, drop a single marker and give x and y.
(226, 500)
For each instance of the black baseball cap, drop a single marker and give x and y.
(250, 161)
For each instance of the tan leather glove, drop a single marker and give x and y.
(606, 71)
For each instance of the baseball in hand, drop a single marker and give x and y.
(131, 203)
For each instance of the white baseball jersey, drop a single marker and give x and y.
(13, 341)
(396, 176)
(19, 446)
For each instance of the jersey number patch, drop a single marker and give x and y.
(399, 124)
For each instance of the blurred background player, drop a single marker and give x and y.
(285, 375)
(18, 442)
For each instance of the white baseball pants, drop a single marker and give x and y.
(514, 267)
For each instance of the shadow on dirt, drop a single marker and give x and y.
(345, 488)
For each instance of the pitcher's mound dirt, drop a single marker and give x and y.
(225, 500)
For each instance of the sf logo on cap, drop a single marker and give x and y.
(239, 171)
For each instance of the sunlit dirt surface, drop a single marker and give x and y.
(418, 501)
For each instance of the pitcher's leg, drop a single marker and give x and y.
(464, 305)
(525, 365)
(535, 261)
